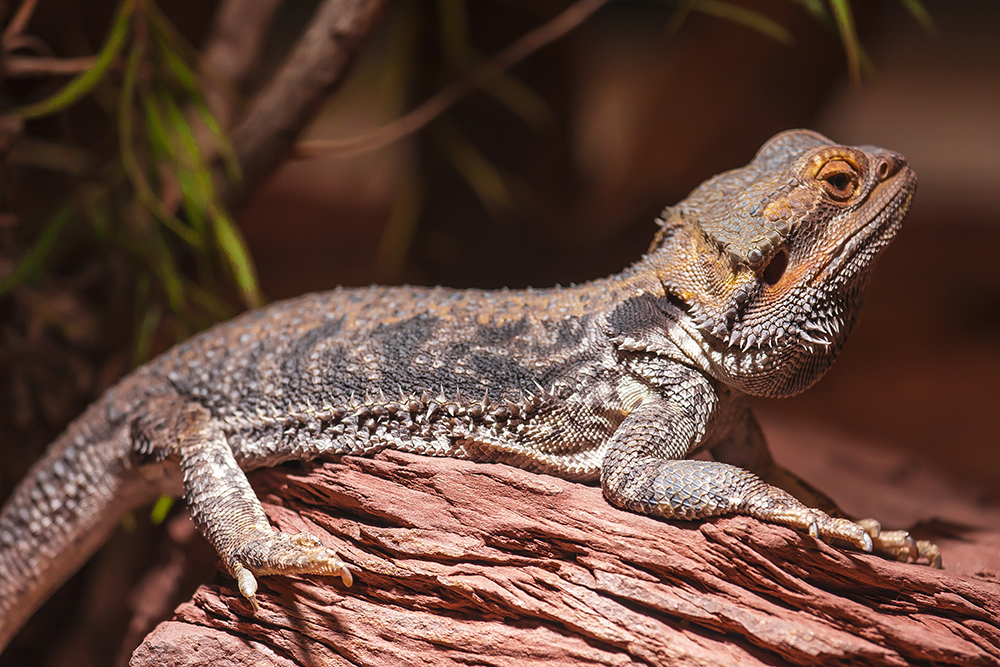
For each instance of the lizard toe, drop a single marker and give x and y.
(847, 531)
(817, 523)
(897, 544)
(929, 552)
(871, 526)
(284, 553)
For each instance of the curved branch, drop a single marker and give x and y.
(317, 65)
(232, 51)
(18, 66)
(415, 120)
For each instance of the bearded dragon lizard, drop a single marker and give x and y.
(750, 287)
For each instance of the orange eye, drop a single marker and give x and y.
(839, 179)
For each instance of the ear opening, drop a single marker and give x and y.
(776, 267)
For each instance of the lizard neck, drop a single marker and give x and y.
(675, 271)
(641, 278)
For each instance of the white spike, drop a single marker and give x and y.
(817, 341)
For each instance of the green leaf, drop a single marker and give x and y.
(482, 176)
(156, 128)
(225, 146)
(218, 309)
(679, 15)
(182, 73)
(234, 247)
(32, 263)
(167, 33)
(506, 89)
(80, 86)
(195, 201)
(166, 270)
(189, 153)
(748, 17)
(201, 199)
(923, 17)
(454, 25)
(844, 19)
(816, 8)
(131, 164)
(160, 510)
(144, 334)
(401, 226)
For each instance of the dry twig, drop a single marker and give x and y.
(316, 66)
(22, 66)
(541, 36)
(232, 51)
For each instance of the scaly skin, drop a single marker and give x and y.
(750, 287)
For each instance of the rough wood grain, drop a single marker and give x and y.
(461, 563)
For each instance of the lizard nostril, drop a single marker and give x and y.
(886, 168)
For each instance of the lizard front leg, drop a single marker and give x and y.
(221, 501)
(747, 448)
(644, 470)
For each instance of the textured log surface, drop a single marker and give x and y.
(461, 563)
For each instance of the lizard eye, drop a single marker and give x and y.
(776, 267)
(839, 179)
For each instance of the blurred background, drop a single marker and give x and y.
(138, 206)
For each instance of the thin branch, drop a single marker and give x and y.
(23, 66)
(316, 66)
(237, 36)
(51, 155)
(20, 20)
(29, 43)
(415, 120)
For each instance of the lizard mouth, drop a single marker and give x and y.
(876, 233)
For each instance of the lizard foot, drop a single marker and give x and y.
(283, 553)
(898, 545)
(775, 505)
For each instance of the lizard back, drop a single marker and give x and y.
(470, 373)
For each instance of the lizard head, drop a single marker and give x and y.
(771, 260)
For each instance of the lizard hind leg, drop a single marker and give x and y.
(223, 504)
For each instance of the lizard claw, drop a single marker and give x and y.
(820, 525)
(247, 585)
(778, 506)
(871, 526)
(345, 575)
(865, 534)
(868, 546)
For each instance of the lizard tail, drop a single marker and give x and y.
(62, 511)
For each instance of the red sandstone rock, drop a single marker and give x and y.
(460, 563)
